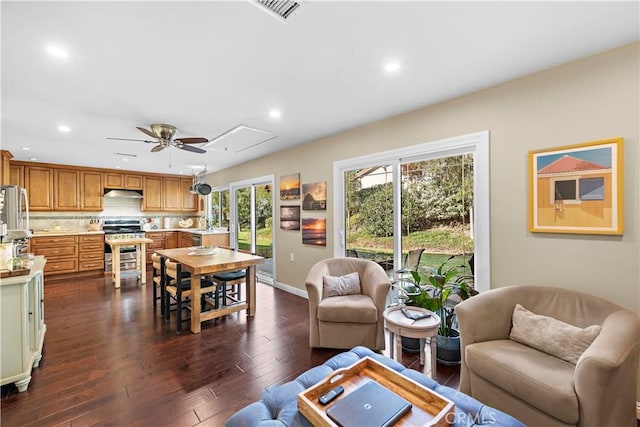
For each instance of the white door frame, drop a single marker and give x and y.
(233, 216)
(475, 143)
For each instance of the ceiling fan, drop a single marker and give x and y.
(163, 136)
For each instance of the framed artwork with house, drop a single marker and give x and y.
(577, 189)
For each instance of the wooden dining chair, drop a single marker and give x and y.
(178, 288)
(158, 279)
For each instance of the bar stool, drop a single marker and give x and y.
(230, 278)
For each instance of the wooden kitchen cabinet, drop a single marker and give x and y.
(66, 190)
(170, 239)
(16, 175)
(172, 195)
(61, 253)
(5, 167)
(90, 252)
(152, 192)
(39, 184)
(122, 181)
(158, 243)
(91, 191)
(189, 201)
(185, 239)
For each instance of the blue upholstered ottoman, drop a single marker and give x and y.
(279, 407)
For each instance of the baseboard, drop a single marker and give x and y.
(638, 410)
(291, 289)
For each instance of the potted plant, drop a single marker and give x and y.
(438, 290)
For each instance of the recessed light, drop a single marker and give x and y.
(57, 51)
(391, 67)
(64, 128)
(32, 158)
(26, 148)
(275, 114)
(117, 166)
(125, 160)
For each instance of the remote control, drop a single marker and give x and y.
(330, 395)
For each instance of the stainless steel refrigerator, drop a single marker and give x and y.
(14, 213)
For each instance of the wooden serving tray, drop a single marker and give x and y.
(10, 273)
(429, 408)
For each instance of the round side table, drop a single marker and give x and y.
(400, 326)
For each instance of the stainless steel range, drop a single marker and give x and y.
(121, 229)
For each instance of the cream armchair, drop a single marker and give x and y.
(535, 387)
(348, 320)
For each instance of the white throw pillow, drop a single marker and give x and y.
(552, 336)
(333, 286)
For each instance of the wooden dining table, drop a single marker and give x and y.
(221, 260)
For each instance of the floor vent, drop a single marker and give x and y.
(281, 9)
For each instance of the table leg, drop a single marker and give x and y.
(195, 303)
(399, 348)
(115, 265)
(250, 284)
(432, 344)
(422, 344)
(143, 263)
(392, 344)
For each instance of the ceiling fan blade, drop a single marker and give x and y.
(192, 149)
(194, 140)
(128, 139)
(158, 147)
(146, 131)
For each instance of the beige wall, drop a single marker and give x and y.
(587, 100)
(591, 99)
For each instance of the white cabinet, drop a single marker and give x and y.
(22, 326)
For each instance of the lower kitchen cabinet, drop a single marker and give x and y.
(90, 252)
(158, 243)
(61, 253)
(22, 325)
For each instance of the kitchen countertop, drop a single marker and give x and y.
(188, 230)
(58, 233)
(42, 233)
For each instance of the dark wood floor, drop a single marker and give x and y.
(109, 359)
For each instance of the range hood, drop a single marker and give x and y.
(125, 194)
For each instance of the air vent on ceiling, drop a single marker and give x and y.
(281, 9)
(239, 139)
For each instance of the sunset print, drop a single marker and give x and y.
(314, 196)
(314, 231)
(290, 187)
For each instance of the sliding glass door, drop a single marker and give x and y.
(417, 206)
(251, 221)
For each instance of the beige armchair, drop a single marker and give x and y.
(537, 388)
(348, 320)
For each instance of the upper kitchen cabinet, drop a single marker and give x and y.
(66, 190)
(189, 200)
(91, 191)
(5, 167)
(122, 181)
(172, 194)
(16, 175)
(39, 184)
(152, 192)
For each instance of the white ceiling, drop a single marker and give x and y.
(207, 67)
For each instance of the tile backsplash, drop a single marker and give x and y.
(114, 208)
